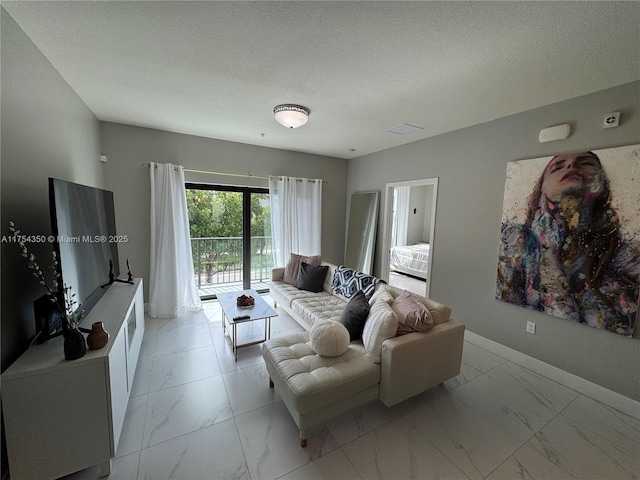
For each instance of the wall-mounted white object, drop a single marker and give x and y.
(557, 132)
(611, 120)
(103, 158)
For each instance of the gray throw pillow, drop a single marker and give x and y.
(355, 315)
(311, 278)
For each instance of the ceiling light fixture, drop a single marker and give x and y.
(291, 116)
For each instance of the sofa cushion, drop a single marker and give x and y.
(286, 293)
(292, 269)
(347, 282)
(311, 277)
(329, 280)
(318, 307)
(329, 339)
(412, 314)
(440, 312)
(381, 324)
(314, 381)
(355, 314)
(381, 293)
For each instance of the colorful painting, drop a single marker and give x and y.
(570, 237)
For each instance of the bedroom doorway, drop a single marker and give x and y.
(407, 244)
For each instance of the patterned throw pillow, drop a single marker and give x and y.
(347, 282)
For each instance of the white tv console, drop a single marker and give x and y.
(64, 416)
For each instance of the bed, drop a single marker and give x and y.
(411, 259)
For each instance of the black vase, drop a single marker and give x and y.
(74, 344)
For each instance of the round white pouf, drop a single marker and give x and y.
(329, 338)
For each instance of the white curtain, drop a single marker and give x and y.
(172, 287)
(400, 227)
(296, 217)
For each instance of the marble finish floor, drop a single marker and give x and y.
(407, 282)
(194, 413)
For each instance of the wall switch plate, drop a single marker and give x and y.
(611, 120)
(531, 328)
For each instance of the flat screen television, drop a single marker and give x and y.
(84, 227)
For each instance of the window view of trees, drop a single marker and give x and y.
(215, 224)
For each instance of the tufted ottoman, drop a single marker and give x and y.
(316, 388)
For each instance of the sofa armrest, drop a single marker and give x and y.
(277, 274)
(415, 362)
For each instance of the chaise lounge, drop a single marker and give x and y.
(382, 365)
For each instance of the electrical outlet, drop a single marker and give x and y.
(531, 328)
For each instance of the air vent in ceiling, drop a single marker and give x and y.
(404, 129)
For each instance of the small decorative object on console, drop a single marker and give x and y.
(129, 274)
(74, 343)
(61, 296)
(245, 301)
(98, 337)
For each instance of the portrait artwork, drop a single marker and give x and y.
(570, 237)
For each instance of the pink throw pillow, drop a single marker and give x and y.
(412, 315)
(292, 270)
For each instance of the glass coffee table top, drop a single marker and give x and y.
(259, 310)
(233, 315)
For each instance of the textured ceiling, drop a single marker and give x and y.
(217, 69)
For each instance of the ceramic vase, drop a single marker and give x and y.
(74, 344)
(98, 337)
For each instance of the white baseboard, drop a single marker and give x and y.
(603, 395)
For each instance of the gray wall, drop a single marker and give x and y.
(47, 131)
(415, 225)
(471, 165)
(127, 148)
(428, 196)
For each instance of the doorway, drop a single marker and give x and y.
(408, 239)
(230, 230)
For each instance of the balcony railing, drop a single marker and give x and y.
(218, 260)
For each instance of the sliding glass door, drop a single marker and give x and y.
(230, 238)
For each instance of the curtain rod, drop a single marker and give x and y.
(246, 175)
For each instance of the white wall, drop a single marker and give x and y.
(127, 148)
(428, 202)
(415, 224)
(470, 165)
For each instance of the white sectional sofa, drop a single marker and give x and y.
(316, 388)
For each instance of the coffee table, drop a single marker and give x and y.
(230, 313)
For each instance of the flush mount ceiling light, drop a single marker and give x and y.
(291, 116)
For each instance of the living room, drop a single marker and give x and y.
(49, 131)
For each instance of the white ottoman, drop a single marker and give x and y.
(316, 388)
